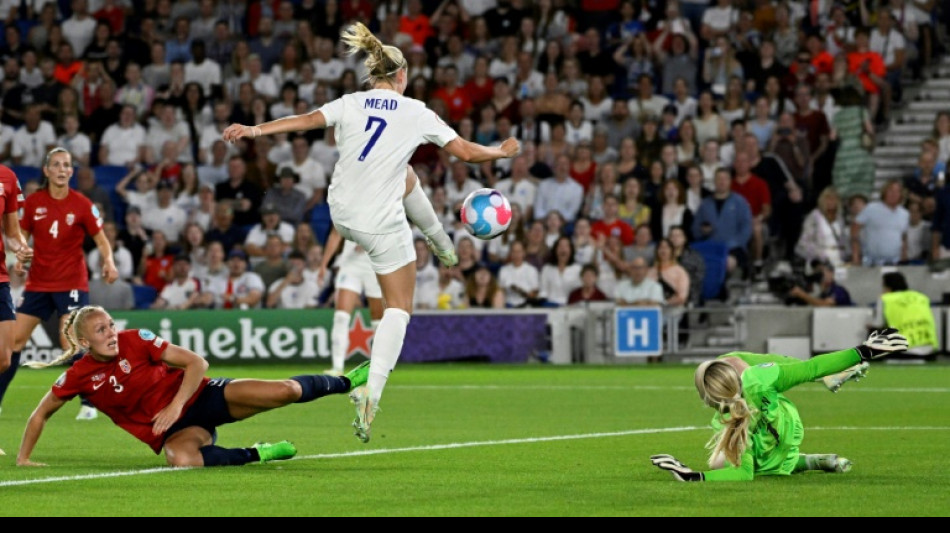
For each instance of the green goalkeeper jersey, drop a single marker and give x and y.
(776, 429)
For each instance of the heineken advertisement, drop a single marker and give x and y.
(303, 336)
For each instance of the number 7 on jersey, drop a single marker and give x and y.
(375, 137)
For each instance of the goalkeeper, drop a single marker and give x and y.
(758, 429)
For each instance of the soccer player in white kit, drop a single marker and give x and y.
(354, 278)
(371, 194)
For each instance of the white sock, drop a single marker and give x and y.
(420, 212)
(339, 339)
(387, 346)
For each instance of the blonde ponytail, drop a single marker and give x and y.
(719, 386)
(382, 61)
(71, 331)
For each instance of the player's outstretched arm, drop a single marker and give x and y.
(303, 122)
(476, 153)
(34, 427)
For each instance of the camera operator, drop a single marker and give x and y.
(830, 294)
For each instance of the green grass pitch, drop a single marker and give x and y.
(497, 440)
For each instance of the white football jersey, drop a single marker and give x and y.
(377, 131)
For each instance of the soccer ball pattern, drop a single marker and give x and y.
(486, 213)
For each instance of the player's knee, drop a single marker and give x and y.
(182, 459)
(288, 392)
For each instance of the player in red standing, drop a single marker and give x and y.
(10, 199)
(58, 219)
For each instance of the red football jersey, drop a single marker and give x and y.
(130, 389)
(10, 198)
(59, 228)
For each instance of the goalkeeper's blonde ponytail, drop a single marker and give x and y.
(719, 386)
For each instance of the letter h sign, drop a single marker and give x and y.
(638, 331)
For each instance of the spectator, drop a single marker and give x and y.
(560, 274)
(610, 224)
(879, 232)
(194, 245)
(156, 267)
(168, 128)
(289, 203)
(124, 143)
(536, 251)
(86, 184)
(887, 40)
(520, 187)
(577, 128)
(124, 262)
(672, 212)
(304, 238)
(450, 292)
(759, 197)
(687, 146)
(519, 279)
(584, 247)
(79, 28)
(214, 271)
(482, 289)
(761, 125)
(165, 215)
(869, 67)
(312, 175)
(427, 277)
(830, 294)
(824, 234)
(643, 244)
(940, 225)
(691, 260)
(632, 208)
(725, 217)
(143, 196)
(272, 265)
(469, 253)
(695, 188)
(588, 291)
(33, 140)
(636, 288)
(908, 310)
(597, 102)
(246, 195)
(606, 184)
(272, 223)
(648, 145)
(204, 213)
(186, 190)
(530, 128)
(293, 291)
(941, 134)
(921, 183)
(460, 184)
(201, 69)
(679, 65)
(134, 236)
(118, 295)
(918, 234)
(224, 229)
(560, 193)
(553, 228)
(242, 289)
(183, 291)
(499, 248)
(102, 112)
(77, 142)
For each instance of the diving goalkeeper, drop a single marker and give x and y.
(758, 429)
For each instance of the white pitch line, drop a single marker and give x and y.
(435, 447)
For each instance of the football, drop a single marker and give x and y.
(486, 213)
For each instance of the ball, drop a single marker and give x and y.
(486, 213)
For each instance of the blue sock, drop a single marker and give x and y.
(218, 456)
(317, 386)
(7, 377)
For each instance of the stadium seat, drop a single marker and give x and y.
(320, 222)
(145, 296)
(26, 173)
(715, 255)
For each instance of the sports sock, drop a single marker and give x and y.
(420, 212)
(7, 376)
(339, 339)
(218, 456)
(319, 385)
(387, 347)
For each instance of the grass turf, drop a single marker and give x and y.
(498, 440)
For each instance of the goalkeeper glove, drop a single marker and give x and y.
(882, 342)
(680, 471)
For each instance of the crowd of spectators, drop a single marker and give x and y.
(646, 125)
